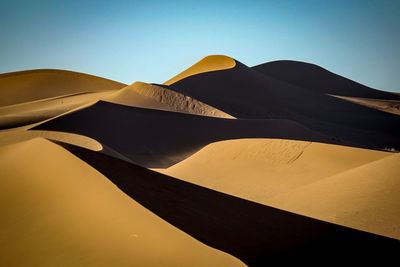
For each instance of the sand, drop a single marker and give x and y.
(317, 79)
(262, 170)
(140, 94)
(207, 64)
(58, 211)
(35, 111)
(259, 235)
(389, 106)
(246, 93)
(26, 86)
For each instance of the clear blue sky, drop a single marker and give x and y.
(153, 40)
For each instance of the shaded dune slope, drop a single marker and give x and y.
(153, 96)
(59, 211)
(31, 85)
(246, 93)
(258, 235)
(155, 138)
(316, 78)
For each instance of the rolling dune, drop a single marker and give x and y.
(58, 211)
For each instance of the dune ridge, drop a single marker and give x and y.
(207, 64)
(145, 95)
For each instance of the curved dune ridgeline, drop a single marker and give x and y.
(59, 211)
(153, 96)
(207, 64)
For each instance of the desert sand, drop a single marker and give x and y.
(140, 94)
(390, 106)
(58, 211)
(222, 165)
(207, 64)
(26, 86)
(283, 169)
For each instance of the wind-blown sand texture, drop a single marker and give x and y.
(222, 165)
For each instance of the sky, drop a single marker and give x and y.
(151, 41)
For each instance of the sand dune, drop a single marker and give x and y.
(244, 92)
(366, 197)
(155, 138)
(152, 96)
(19, 135)
(26, 86)
(263, 169)
(257, 234)
(315, 78)
(389, 106)
(207, 64)
(58, 211)
(280, 163)
(40, 110)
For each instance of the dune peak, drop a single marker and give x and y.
(207, 64)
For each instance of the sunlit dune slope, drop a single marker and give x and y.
(58, 211)
(271, 171)
(146, 95)
(366, 197)
(207, 64)
(31, 85)
(316, 78)
(244, 92)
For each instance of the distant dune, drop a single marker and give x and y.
(61, 212)
(320, 80)
(31, 85)
(244, 92)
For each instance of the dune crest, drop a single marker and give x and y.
(61, 212)
(207, 64)
(140, 94)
